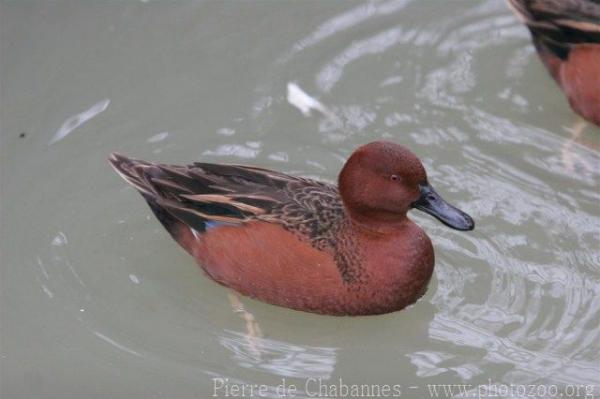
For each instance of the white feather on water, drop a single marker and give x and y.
(75, 121)
(305, 103)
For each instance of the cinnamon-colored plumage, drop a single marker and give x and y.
(566, 35)
(298, 242)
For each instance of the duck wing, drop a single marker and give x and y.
(203, 195)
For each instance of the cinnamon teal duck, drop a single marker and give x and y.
(301, 243)
(566, 35)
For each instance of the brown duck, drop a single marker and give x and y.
(300, 243)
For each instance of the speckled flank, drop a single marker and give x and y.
(315, 213)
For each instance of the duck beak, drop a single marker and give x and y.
(432, 203)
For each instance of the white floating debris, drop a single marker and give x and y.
(134, 279)
(225, 131)
(158, 137)
(391, 81)
(279, 156)
(60, 239)
(305, 103)
(116, 344)
(237, 150)
(42, 268)
(47, 291)
(77, 120)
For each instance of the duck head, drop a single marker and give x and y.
(382, 181)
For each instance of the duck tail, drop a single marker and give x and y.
(134, 172)
(139, 174)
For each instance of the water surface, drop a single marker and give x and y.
(97, 301)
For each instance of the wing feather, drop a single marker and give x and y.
(233, 194)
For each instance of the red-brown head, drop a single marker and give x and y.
(382, 180)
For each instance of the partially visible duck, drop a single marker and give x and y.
(300, 243)
(566, 35)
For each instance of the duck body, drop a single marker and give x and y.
(297, 242)
(566, 35)
(368, 281)
(580, 80)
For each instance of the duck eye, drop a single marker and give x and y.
(394, 178)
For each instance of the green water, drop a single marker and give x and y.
(98, 302)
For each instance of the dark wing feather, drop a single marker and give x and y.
(557, 25)
(234, 194)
